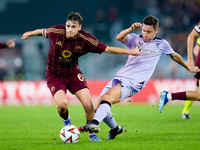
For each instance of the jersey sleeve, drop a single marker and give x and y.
(94, 46)
(46, 31)
(99, 48)
(130, 40)
(167, 49)
(57, 29)
(3, 45)
(197, 27)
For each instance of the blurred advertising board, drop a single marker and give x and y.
(15, 93)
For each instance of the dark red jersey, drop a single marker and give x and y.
(197, 61)
(3, 45)
(64, 53)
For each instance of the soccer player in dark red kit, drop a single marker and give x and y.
(9, 43)
(67, 43)
(165, 96)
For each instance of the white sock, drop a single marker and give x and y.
(169, 96)
(102, 112)
(110, 121)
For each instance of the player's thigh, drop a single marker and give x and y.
(57, 86)
(113, 95)
(85, 98)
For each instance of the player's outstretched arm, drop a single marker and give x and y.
(122, 36)
(176, 57)
(117, 50)
(27, 35)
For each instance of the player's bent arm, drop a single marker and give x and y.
(122, 36)
(190, 44)
(118, 50)
(27, 35)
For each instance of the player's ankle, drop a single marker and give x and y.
(94, 121)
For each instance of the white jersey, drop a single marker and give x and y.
(140, 68)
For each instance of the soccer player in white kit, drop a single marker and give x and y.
(131, 78)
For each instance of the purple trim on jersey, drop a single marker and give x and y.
(115, 82)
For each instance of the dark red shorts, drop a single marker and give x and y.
(73, 82)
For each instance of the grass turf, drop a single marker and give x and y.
(38, 127)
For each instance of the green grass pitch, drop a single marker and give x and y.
(38, 127)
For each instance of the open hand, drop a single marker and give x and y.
(136, 51)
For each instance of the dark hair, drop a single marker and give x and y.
(74, 16)
(151, 20)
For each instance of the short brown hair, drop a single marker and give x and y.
(75, 16)
(151, 20)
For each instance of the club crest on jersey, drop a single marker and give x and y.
(140, 43)
(157, 44)
(66, 53)
(59, 43)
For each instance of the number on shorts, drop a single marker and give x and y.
(80, 77)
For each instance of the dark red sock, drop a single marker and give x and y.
(64, 115)
(179, 95)
(87, 121)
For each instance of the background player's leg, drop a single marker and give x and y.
(186, 109)
(188, 104)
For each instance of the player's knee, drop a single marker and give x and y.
(198, 96)
(108, 98)
(62, 104)
(89, 108)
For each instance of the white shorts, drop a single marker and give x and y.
(129, 87)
